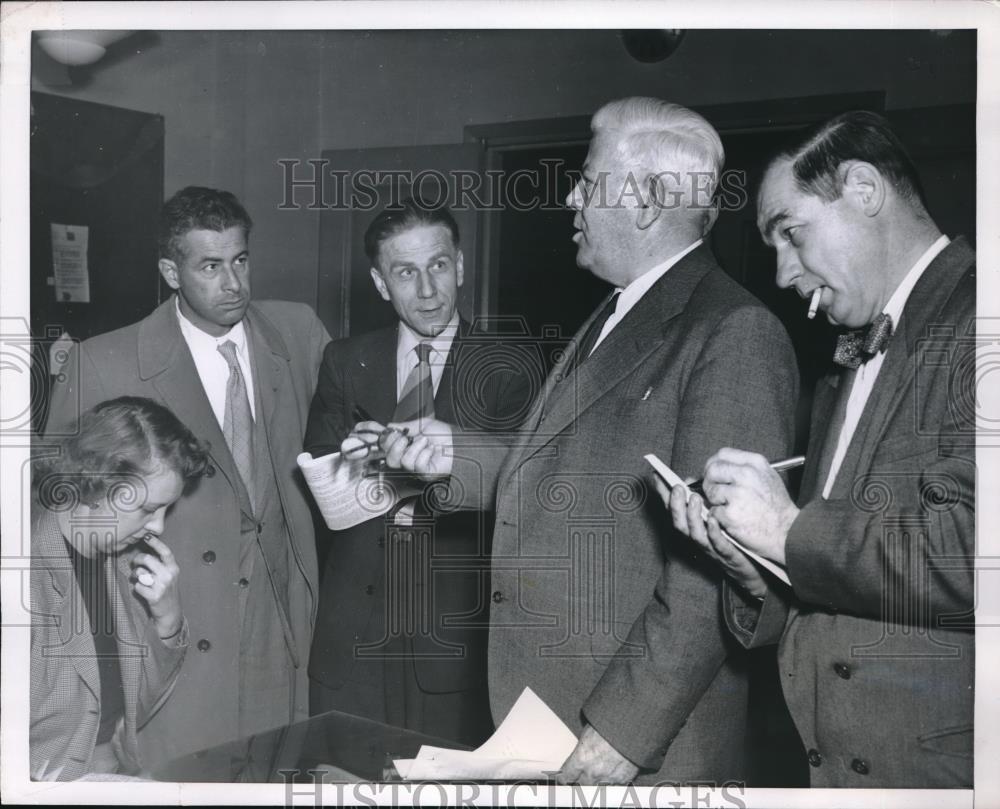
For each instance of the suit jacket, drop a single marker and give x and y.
(65, 684)
(581, 539)
(362, 578)
(877, 647)
(150, 358)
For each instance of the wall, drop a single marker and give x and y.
(236, 102)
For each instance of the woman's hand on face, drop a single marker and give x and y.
(155, 582)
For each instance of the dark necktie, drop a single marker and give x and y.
(860, 345)
(237, 425)
(416, 400)
(594, 330)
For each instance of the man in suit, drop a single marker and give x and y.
(876, 641)
(678, 361)
(401, 635)
(240, 374)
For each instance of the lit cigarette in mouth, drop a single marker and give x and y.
(814, 303)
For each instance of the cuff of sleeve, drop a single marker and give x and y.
(179, 640)
(752, 621)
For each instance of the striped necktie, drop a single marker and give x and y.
(416, 400)
(238, 423)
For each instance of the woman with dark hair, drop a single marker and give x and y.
(107, 636)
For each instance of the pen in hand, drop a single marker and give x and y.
(778, 466)
(360, 414)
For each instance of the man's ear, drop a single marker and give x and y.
(652, 204)
(865, 186)
(460, 269)
(168, 269)
(379, 282)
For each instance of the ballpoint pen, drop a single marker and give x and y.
(778, 466)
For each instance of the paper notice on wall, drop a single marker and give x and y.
(69, 263)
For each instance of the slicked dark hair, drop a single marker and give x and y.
(859, 135)
(410, 213)
(120, 439)
(198, 208)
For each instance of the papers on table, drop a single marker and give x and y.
(530, 743)
(344, 495)
(672, 479)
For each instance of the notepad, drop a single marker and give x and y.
(672, 479)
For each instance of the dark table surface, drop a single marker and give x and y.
(359, 746)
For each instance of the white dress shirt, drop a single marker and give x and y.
(213, 370)
(406, 355)
(633, 293)
(867, 373)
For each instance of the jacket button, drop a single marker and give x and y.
(260, 528)
(369, 589)
(210, 471)
(204, 645)
(244, 582)
(842, 671)
(208, 557)
(497, 596)
(860, 766)
(815, 759)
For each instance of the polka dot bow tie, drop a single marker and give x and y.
(860, 345)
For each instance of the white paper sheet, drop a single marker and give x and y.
(69, 263)
(530, 743)
(344, 495)
(672, 479)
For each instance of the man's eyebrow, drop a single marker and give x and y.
(773, 223)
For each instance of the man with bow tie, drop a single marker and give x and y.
(876, 642)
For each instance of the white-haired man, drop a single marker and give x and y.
(679, 361)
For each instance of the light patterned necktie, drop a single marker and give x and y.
(416, 400)
(238, 423)
(860, 345)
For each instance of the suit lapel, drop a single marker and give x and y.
(569, 392)
(893, 385)
(373, 379)
(165, 360)
(76, 643)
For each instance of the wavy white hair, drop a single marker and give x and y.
(656, 136)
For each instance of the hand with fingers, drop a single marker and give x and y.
(154, 580)
(750, 501)
(422, 447)
(363, 440)
(595, 761)
(688, 515)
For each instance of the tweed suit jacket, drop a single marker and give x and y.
(150, 358)
(581, 539)
(876, 638)
(448, 641)
(65, 684)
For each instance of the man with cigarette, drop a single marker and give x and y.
(401, 633)
(876, 634)
(678, 361)
(239, 374)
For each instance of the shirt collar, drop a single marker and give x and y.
(894, 307)
(204, 341)
(408, 338)
(641, 285)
